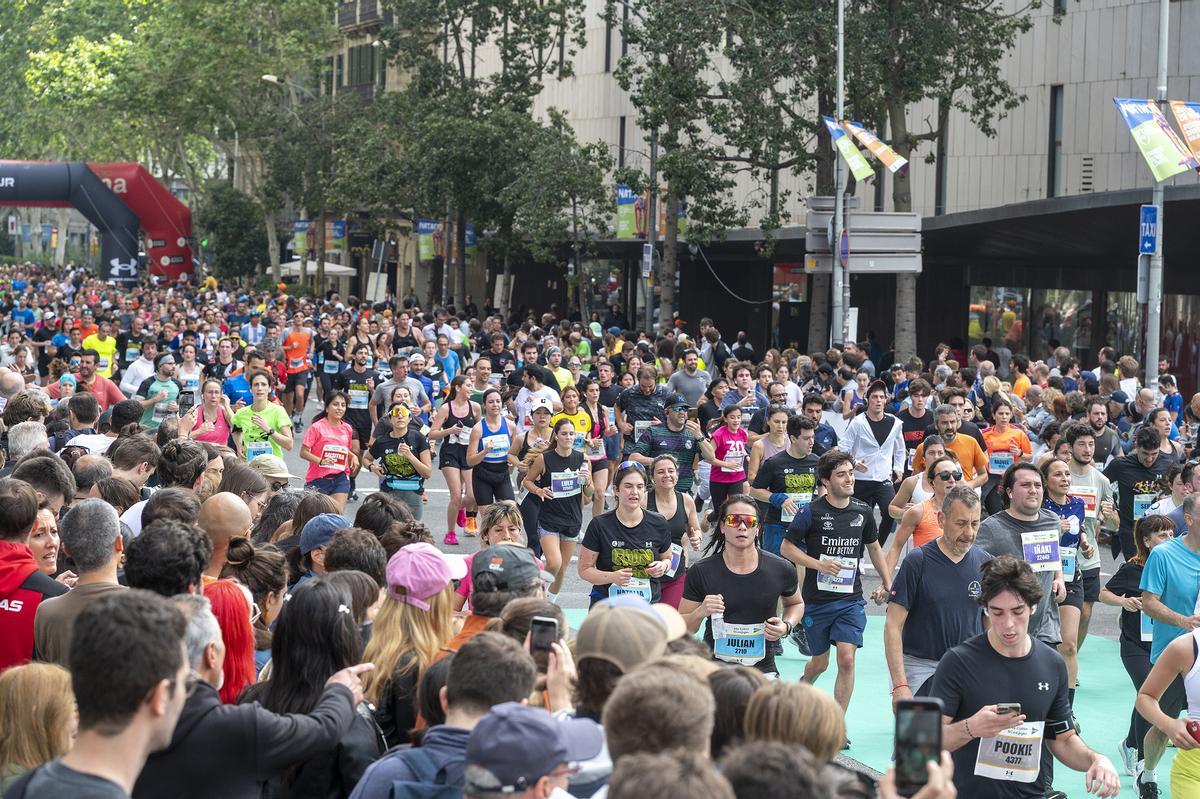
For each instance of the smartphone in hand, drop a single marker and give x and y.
(918, 742)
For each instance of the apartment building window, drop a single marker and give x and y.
(621, 143)
(940, 170)
(1054, 177)
(624, 24)
(608, 45)
(339, 76)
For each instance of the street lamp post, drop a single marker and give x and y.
(1155, 275)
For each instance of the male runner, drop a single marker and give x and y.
(787, 481)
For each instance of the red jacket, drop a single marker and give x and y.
(23, 586)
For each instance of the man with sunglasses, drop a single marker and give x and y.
(738, 589)
(678, 437)
(827, 539)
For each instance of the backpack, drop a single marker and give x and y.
(429, 782)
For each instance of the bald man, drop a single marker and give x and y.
(222, 516)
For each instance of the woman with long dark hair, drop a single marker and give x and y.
(560, 477)
(262, 569)
(327, 447)
(452, 423)
(315, 637)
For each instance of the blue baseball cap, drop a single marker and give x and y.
(320, 529)
(515, 745)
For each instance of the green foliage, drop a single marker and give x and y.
(233, 224)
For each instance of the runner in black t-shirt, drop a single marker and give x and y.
(1001, 755)
(1137, 477)
(828, 538)
(787, 481)
(738, 589)
(915, 420)
(401, 460)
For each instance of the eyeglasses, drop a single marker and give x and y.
(279, 486)
(740, 520)
(949, 475)
(255, 612)
(631, 465)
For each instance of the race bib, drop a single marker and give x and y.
(295, 363)
(1090, 500)
(1142, 503)
(103, 363)
(256, 448)
(191, 383)
(908, 462)
(160, 410)
(676, 560)
(370, 362)
(998, 462)
(1147, 627)
(330, 367)
(637, 586)
(801, 500)
(595, 451)
(359, 398)
(612, 415)
(639, 429)
(1015, 755)
(496, 445)
(735, 460)
(843, 581)
(1040, 550)
(337, 455)
(740, 643)
(132, 354)
(565, 484)
(1067, 554)
(577, 445)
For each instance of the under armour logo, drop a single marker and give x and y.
(1043, 686)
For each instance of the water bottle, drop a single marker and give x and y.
(717, 626)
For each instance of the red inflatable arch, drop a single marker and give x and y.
(166, 221)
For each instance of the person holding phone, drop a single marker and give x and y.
(1006, 710)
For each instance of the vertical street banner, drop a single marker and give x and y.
(426, 228)
(626, 212)
(300, 238)
(886, 155)
(1187, 116)
(854, 159)
(1165, 154)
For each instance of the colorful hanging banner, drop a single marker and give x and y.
(886, 155)
(1187, 116)
(426, 230)
(854, 159)
(1164, 152)
(626, 212)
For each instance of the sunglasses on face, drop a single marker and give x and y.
(279, 485)
(741, 519)
(949, 475)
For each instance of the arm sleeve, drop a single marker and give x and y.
(946, 684)
(899, 451)
(283, 740)
(846, 443)
(693, 586)
(1154, 575)
(1120, 583)
(1060, 710)
(766, 473)
(797, 531)
(905, 585)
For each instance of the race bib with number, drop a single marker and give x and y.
(103, 363)
(1040, 550)
(843, 581)
(565, 484)
(801, 500)
(998, 462)
(1090, 500)
(1068, 555)
(637, 586)
(191, 383)
(1142, 503)
(741, 643)
(1147, 627)
(594, 451)
(1015, 755)
(160, 410)
(256, 448)
(359, 398)
(735, 460)
(132, 354)
(640, 428)
(496, 445)
(337, 455)
(331, 367)
(295, 363)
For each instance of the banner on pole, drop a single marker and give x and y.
(886, 155)
(427, 230)
(1165, 154)
(1187, 116)
(854, 159)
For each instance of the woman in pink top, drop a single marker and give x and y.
(327, 448)
(499, 523)
(210, 419)
(727, 453)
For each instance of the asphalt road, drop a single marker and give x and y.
(574, 594)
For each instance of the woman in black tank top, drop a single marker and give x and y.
(454, 428)
(562, 478)
(663, 499)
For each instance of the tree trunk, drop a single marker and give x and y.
(319, 288)
(505, 280)
(460, 261)
(273, 244)
(670, 257)
(906, 284)
(63, 219)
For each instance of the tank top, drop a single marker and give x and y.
(919, 494)
(770, 449)
(468, 421)
(561, 475)
(1191, 683)
(677, 524)
(494, 442)
(928, 528)
(399, 342)
(219, 435)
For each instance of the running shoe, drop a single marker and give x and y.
(1053, 794)
(1128, 758)
(450, 539)
(800, 638)
(1147, 790)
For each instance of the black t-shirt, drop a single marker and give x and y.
(783, 474)
(564, 513)
(972, 675)
(128, 345)
(621, 547)
(399, 472)
(221, 371)
(1138, 486)
(609, 394)
(941, 597)
(881, 428)
(499, 360)
(914, 430)
(708, 413)
(1124, 583)
(824, 532)
(359, 387)
(55, 779)
(749, 598)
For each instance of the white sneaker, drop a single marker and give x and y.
(1128, 758)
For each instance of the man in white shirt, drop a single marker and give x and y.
(140, 369)
(876, 442)
(535, 389)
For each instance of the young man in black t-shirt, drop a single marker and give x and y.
(915, 420)
(787, 481)
(1137, 477)
(738, 589)
(1001, 754)
(828, 539)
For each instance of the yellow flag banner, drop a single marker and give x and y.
(1187, 116)
(854, 159)
(1165, 154)
(886, 155)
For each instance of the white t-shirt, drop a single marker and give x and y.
(524, 402)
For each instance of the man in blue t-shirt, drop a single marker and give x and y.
(1170, 587)
(934, 602)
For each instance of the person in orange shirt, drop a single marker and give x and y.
(297, 347)
(87, 323)
(1006, 445)
(970, 454)
(1020, 367)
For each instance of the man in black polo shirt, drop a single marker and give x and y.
(1137, 476)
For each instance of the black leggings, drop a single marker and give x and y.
(490, 483)
(719, 491)
(531, 510)
(879, 493)
(1138, 668)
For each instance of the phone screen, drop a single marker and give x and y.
(693, 415)
(918, 741)
(543, 632)
(186, 400)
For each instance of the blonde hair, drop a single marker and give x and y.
(501, 511)
(38, 709)
(797, 713)
(404, 638)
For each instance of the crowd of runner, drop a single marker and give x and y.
(179, 616)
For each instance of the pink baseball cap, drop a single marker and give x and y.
(419, 571)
